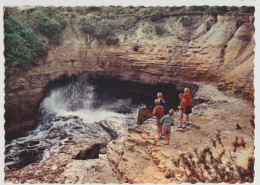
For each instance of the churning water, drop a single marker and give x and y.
(72, 112)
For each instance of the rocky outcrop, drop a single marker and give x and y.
(144, 114)
(214, 49)
(63, 169)
(138, 158)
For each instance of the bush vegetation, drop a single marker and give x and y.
(110, 40)
(136, 47)
(205, 167)
(22, 46)
(187, 22)
(29, 30)
(101, 30)
(157, 15)
(210, 165)
(48, 27)
(247, 9)
(159, 30)
(221, 10)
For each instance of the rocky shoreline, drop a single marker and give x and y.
(137, 158)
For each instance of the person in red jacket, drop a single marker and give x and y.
(182, 108)
(158, 112)
(188, 110)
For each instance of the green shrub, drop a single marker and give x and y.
(129, 23)
(157, 15)
(36, 14)
(111, 40)
(186, 22)
(62, 20)
(222, 10)
(22, 46)
(232, 8)
(109, 12)
(144, 12)
(212, 11)
(48, 23)
(103, 29)
(198, 8)
(217, 10)
(48, 27)
(69, 9)
(248, 9)
(80, 10)
(136, 47)
(49, 11)
(93, 9)
(159, 30)
(88, 25)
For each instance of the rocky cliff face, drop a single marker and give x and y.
(214, 49)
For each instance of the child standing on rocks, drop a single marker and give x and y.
(188, 110)
(158, 112)
(162, 101)
(167, 121)
(182, 108)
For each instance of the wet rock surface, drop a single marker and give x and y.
(138, 158)
(89, 153)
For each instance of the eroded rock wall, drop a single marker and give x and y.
(214, 49)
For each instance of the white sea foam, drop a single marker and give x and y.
(68, 113)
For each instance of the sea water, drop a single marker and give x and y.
(71, 112)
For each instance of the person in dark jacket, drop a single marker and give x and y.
(162, 101)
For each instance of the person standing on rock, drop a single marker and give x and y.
(167, 122)
(158, 112)
(162, 101)
(188, 110)
(182, 108)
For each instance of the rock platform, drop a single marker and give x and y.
(137, 157)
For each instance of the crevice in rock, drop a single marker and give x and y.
(112, 133)
(89, 153)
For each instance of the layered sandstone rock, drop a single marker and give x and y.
(214, 49)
